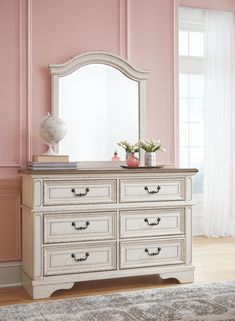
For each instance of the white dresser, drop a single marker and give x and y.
(105, 223)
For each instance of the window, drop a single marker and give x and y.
(191, 97)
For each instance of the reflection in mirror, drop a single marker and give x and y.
(99, 104)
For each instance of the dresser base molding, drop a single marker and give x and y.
(43, 288)
(181, 276)
(42, 291)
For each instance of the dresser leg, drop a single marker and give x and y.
(42, 291)
(45, 291)
(181, 276)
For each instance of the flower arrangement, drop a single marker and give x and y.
(151, 146)
(129, 148)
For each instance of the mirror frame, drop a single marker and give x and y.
(98, 57)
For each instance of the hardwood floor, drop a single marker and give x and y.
(214, 260)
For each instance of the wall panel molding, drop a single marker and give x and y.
(18, 86)
(10, 274)
(175, 78)
(128, 29)
(29, 80)
(10, 197)
(124, 14)
(123, 28)
(14, 253)
(118, 27)
(18, 106)
(8, 185)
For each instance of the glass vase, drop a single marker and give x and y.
(132, 160)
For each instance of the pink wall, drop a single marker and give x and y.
(77, 26)
(96, 25)
(34, 33)
(152, 48)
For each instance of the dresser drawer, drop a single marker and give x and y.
(66, 259)
(152, 190)
(155, 222)
(145, 253)
(79, 192)
(79, 227)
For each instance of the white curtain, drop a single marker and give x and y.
(219, 181)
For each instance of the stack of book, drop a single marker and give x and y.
(51, 158)
(51, 162)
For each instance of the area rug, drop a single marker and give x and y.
(205, 302)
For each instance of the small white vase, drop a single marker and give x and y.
(150, 159)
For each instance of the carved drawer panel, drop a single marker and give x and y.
(74, 258)
(154, 252)
(79, 192)
(79, 227)
(154, 222)
(152, 190)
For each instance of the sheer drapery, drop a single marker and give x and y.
(219, 181)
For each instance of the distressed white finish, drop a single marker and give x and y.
(58, 259)
(166, 251)
(74, 227)
(135, 190)
(56, 234)
(60, 192)
(169, 221)
(137, 130)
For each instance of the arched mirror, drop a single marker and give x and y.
(102, 100)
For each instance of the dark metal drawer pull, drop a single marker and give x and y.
(81, 227)
(80, 259)
(153, 253)
(152, 192)
(153, 224)
(80, 194)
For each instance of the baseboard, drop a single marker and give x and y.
(10, 274)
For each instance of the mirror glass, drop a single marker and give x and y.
(99, 105)
(102, 99)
